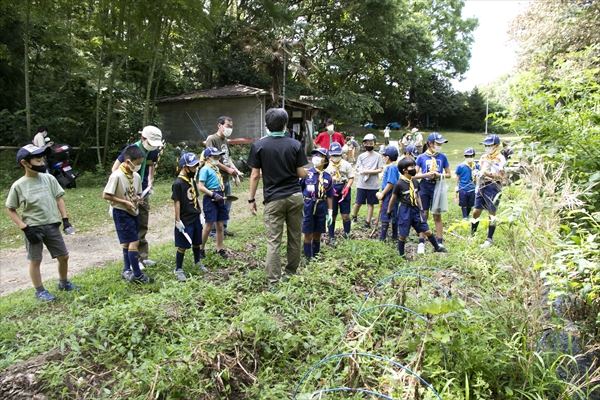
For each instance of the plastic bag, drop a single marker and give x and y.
(439, 203)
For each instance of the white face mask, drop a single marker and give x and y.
(330, 128)
(214, 161)
(147, 146)
(136, 168)
(316, 161)
(437, 148)
(227, 131)
(336, 159)
(489, 149)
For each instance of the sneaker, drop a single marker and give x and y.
(141, 265)
(67, 286)
(421, 248)
(368, 225)
(45, 295)
(355, 219)
(143, 278)
(180, 275)
(201, 267)
(441, 249)
(332, 242)
(346, 235)
(127, 274)
(149, 263)
(223, 253)
(202, 253)
(229, 234)
(486, 244)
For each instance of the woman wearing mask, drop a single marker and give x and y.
(432, 166)
(325, 138)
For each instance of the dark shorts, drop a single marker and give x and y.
(52, 238)
(194, 230)
(410, 217)
(344, 206)
(366, 196)
(214, 211)
(466, 199)
(314, 216)
(488, 197)
(426, 190)
(384, 207)
(127, 226)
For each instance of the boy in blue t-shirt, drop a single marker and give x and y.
(215, 212)
(186, 202)
(432, 166)
(465, 188)
(390, 177)
(317, 189)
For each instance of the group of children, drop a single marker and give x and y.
(406, 193)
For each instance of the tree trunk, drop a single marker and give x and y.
(26, 68)
(151, 74)
(98, 103)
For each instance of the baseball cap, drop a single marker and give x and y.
(369, 136)
(212, 151)
(188, 160)
(413, 130)
(469, 151)
(335, 149)
(491, 140)
(153, 134)
(412, 150)
(436, 137)
(30, 151)
(320, 151)
(391, 152)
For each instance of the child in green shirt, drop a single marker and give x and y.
(40, 197)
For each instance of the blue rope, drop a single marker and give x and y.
(413, 312)
(375, 356)
(355, 390)
(397, 274)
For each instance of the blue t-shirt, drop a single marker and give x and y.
(310, 185)
(150, 156)
(425, 161)
(210, 179)
(465, 177)
(390, 175)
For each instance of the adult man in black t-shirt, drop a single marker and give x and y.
(280, 160)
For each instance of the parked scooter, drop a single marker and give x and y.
(59, 165)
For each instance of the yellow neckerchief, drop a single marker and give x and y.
(493, 155)
(471, 165)
(432, 154)
(219, 176)
(130, 192)
(411, 188)
(193, 186)
(337, 176)
(321, 184)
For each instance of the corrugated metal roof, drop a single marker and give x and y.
(216, 93)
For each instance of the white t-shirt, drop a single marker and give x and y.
(39, 140)
(369, 160)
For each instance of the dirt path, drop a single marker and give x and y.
(95, 248)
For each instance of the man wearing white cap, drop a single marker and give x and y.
(150, 142)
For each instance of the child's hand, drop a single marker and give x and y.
(129, 205)
(180, 226)
(32, 234)
(379, 195)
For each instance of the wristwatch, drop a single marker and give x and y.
(250, 201)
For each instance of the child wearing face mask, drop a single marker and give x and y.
(215, 210)
(123, 191)
(406, 192)
(317, 189)
(432, 165)
(390, 177)
(186, 200)
(465, 189)
(342, 174)
(369, 165)
(40, 198)
(489, 186)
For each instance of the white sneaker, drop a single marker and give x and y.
(486, 244)
(421, 248)
(149, 263)
(142, 266)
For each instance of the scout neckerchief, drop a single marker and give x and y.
(142, 170)
(490, 158)
(433, 165)
(130, 191)
(193, 186)
(471, 165)
(411, 189)
(337, 176)
(276, 133)
(219, 176)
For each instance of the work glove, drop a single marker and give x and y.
(329, 218)
(32, 234)
(179, 226)
(67, 227)
(217, 197)
(345, 191)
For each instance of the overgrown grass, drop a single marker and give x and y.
(228, 336)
